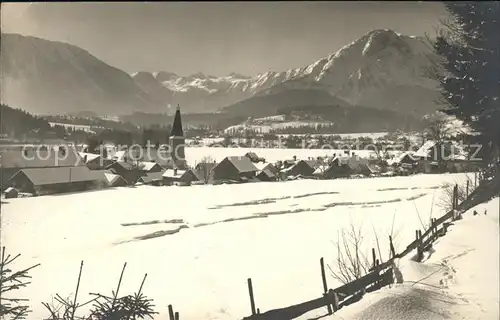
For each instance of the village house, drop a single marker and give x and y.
(239, 169)
(358, 165)
(346, 166)
(40, 181)
(114, 180)
(404, 159)
(438, 157)
(11, 193)
(94, 161)
(434, 151)
(152, 178)
(11, 161)
(303, 168)
(149, 167)
(267, 172)
(179, 177)
(128, 171)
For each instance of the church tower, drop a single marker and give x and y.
(177, 142)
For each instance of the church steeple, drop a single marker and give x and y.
(177, 126)
(177, 142)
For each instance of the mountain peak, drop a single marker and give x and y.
(238, 76)
(198, 75)
(383, 39)
(383, 32)
(162, 76)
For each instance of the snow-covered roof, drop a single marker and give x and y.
(152, 176)
(398, 158)
(287, 169)
(242, 164)
(90, 156)
(322, 168)
(261, 166)
(147, 165)
(111, 178)
(425, 149)
(171, 173)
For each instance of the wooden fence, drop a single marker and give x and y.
(381, 274)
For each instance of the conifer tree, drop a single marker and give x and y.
(468, 49)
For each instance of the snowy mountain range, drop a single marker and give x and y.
(382, 69)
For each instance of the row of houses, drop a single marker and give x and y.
(66, 170)
(435, 157)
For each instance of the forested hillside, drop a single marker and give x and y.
(17, 122)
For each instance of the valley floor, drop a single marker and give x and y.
(199, 245)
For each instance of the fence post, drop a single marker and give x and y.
(391, 246)
(250, 292)
(431, 227)
(419, 245)
(455, 197)
(374, 257)
(325, 285)
(335, 301)
(171, 312)
(176, 316)
(475, 179)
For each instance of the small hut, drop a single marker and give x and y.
(11, 193)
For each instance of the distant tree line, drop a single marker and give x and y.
(18, 123)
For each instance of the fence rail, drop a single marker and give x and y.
(380, 275)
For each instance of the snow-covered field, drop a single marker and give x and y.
(373, 135)
(196, 154)
(270, 126)
(274, 233)
(82, 127)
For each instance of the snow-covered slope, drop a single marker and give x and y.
(202, 93)
(459, 280)
(382, 69)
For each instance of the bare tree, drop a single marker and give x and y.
(447, 198)
(438, 127)
(322, 167)
(351, 263)
(204, 168)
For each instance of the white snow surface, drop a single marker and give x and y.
(459, 279)
(202, 269)
(195, 154)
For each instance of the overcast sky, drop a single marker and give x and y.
(215, 38)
